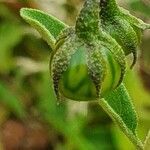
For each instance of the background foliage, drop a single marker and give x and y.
(29, 115)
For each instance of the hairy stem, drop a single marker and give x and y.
(87, 25)
(108, 7)
(108, 4)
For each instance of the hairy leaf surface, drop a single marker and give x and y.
(119, 107)
(48, 26)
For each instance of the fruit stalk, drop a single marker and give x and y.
(87, 24)
(108, 5)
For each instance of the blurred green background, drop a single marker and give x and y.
(30, 118)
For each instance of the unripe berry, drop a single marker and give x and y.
(87, 63)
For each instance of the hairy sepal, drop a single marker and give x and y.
(48, 26)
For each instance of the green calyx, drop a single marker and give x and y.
(81, 71)
(87, 24)
(88, 60)
(87, 63)
(122, 26)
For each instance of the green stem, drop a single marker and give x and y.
(87, 24)
(108, 4)
(108, 8)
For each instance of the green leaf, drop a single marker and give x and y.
(119, 107)
(48, 26)
(133, 20)
(11, 101)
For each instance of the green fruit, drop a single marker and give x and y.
(86, 63)
(81, 71)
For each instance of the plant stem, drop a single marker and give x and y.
(108, 4)
(87, 25)
(108, 8)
